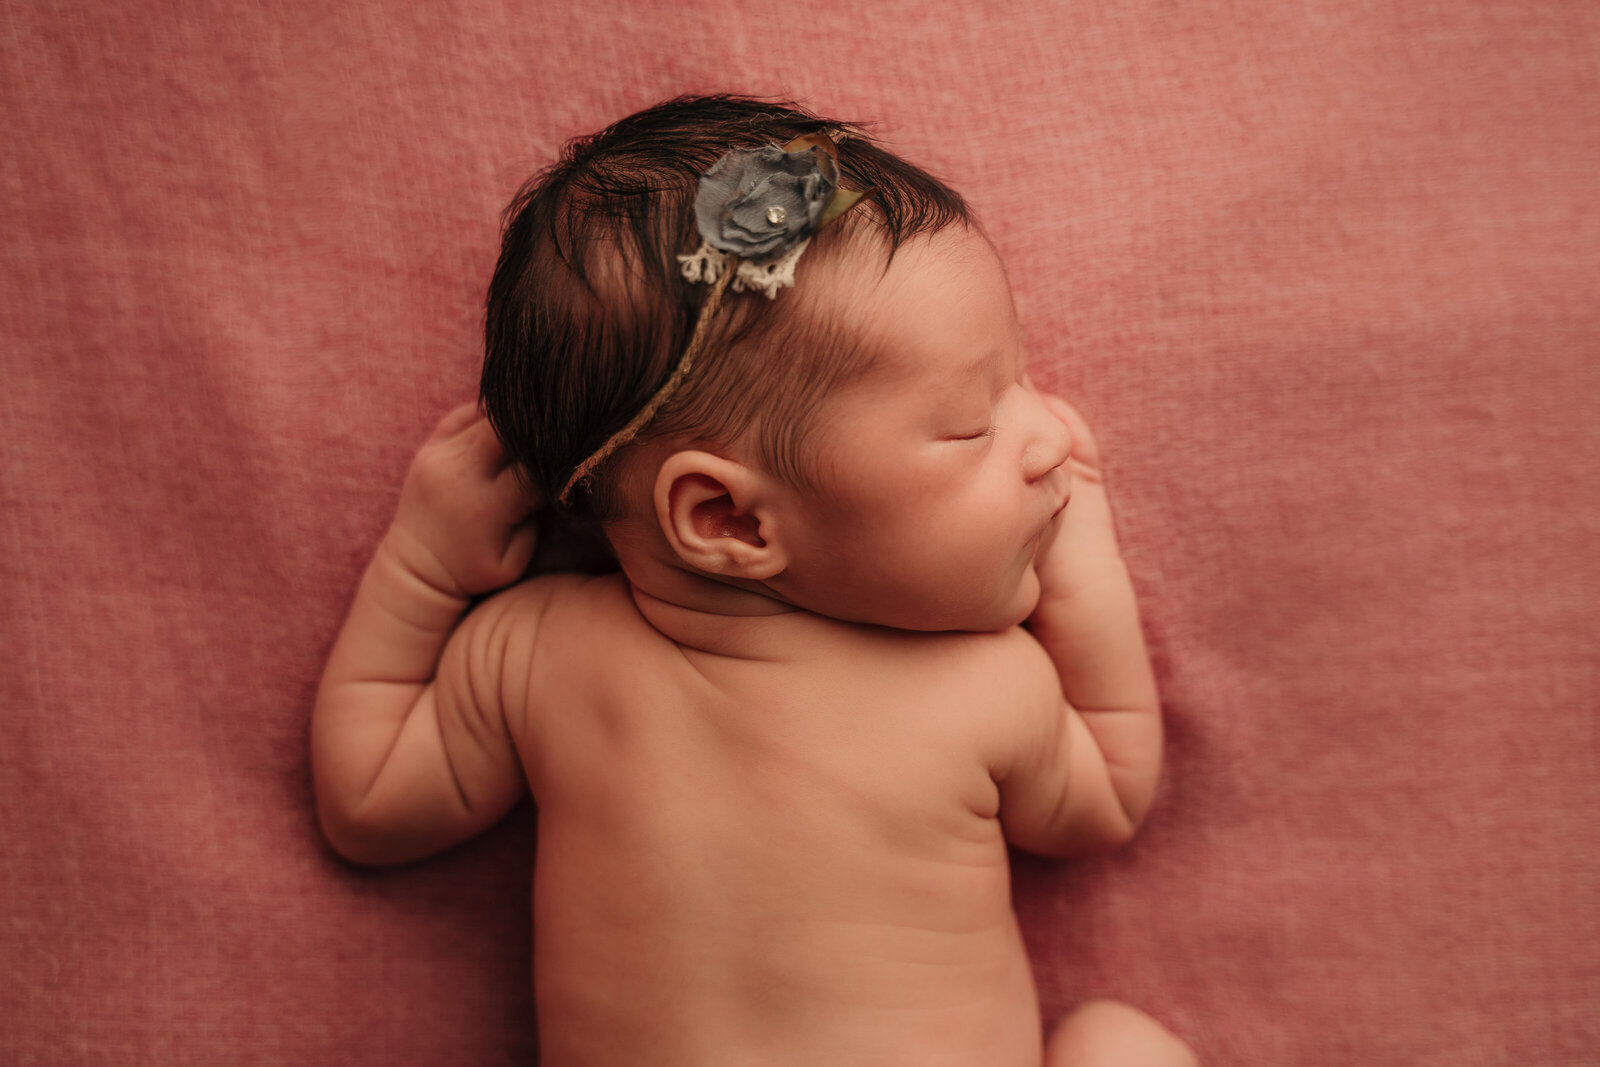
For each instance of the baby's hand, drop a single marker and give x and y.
(1082, 541)
(463, 523)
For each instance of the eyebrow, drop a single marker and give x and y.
(982, 366)
(959, 382)
(978, 366)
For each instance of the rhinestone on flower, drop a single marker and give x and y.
(757, 208)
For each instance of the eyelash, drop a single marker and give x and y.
(975, 436)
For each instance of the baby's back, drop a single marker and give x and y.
(775, 842)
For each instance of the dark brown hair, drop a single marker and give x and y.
(588, 313)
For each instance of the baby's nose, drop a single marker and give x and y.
(1051, 445)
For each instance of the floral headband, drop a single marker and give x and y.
(756, 210)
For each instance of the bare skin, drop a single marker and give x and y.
(779, 757)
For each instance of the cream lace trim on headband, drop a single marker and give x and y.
(707, 264)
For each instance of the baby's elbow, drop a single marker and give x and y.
(1087, 837)
(1077, 823)
(342, 836)
(357, 840)
(1116, 833)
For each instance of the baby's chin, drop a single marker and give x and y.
(999, 613)
(1023, 601)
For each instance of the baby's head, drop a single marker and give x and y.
(864, 445)
(588, 312)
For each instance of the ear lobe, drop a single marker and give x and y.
(718, 517)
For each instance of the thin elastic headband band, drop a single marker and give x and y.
(756, 211)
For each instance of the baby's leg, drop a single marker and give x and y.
(1109, 1032)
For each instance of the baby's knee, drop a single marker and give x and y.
(1113, 1033)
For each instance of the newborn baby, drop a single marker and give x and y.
(870, 625)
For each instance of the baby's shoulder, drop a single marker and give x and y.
(961, 651)
(1010, 666)
(978, 697)
(541, 634)
(1000, 692)
(560, 595)
(988, 680)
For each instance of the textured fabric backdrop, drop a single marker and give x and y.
(1322, 274)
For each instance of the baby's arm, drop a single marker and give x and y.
(405, 765)
(1095, 776)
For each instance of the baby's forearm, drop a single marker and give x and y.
(1088, 621)
(383, 659)
(1093, 635)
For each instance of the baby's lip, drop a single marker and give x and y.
(1044, 527)
(1066, 498)
(1055, 513)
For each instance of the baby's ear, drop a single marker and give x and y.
(720, 516)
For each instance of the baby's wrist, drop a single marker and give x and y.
(1066, 579)
(411, 559)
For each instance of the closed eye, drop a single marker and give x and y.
(986, 432)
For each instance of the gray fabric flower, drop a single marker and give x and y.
(759, 203)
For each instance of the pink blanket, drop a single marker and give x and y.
(1322, 274)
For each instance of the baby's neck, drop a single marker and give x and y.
(698, 610)
(753, 635)
(699, 594)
